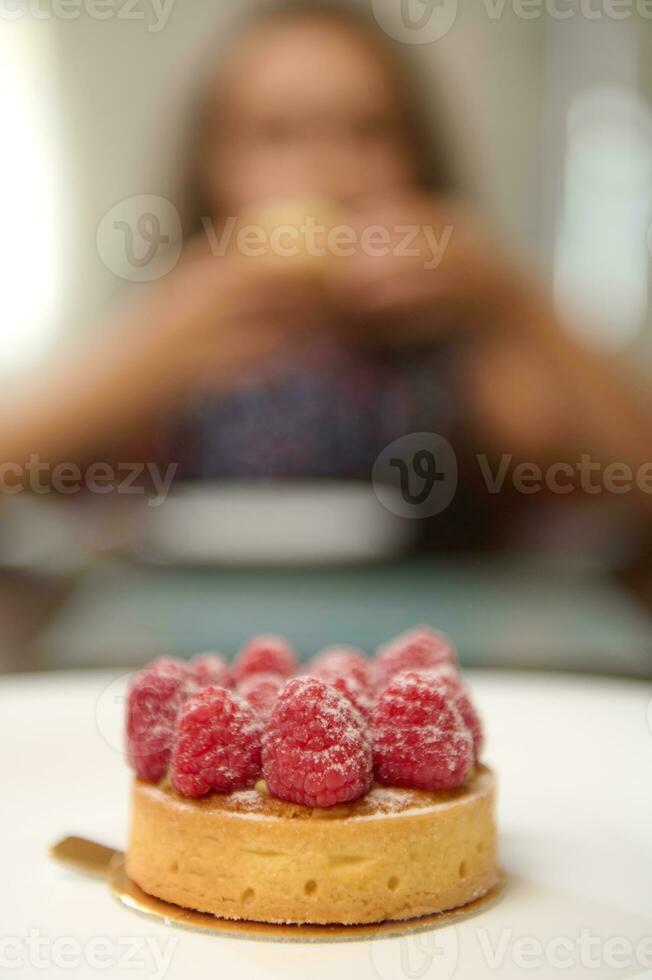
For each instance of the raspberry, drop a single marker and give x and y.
(420, 738)
(217, 744)
(265, 655)
(417, 649)
(261, 691)
(450, 679)
(316, 750)
(341, 661)
(209, 669)
(155, 697)
(348, 670)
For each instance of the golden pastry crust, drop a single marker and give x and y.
(394, 854)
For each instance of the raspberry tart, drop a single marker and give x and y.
(351, 793)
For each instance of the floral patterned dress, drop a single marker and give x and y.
(327, 413)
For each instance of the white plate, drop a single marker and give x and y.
(273, 523)
(575, 808)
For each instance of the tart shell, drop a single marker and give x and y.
(393, 855)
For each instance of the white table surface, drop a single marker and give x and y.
(574, 758)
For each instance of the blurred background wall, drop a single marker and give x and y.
(109, 98)
(548, 118)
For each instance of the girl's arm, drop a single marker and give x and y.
(538, 391)
(206, 324)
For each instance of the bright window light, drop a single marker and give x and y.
(31, 210)
(602, 251)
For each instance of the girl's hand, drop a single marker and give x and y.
(425, 257)
(213, 318)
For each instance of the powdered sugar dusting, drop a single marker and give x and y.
(246, 799)
(156, 695)
(217, 744)
(379, 803)
(425, 738)
(418, 648)
(317, 749)
(420, 737)
(348, 670)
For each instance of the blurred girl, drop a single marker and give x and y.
(272, 370)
